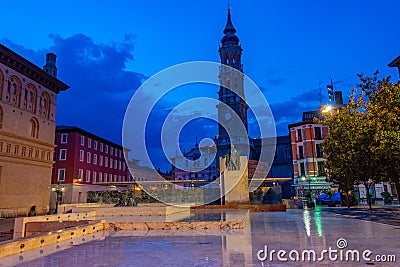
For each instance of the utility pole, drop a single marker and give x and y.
(330, 92)
(320, 94)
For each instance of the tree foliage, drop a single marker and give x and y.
(363, 144)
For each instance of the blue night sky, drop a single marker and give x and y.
(106, 49)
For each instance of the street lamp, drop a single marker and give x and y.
(58, 189)
(303, 179)
(326, 109)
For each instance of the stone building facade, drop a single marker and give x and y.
(28, 96)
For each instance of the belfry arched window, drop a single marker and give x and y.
(13, 91)
(44, 108)
(30, 96)
(34, 128)
(1, 117)
(227, 57)
(1, 84)
(228, 83)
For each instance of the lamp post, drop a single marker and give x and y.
(326, 109)
(303, 179)
(58, 189)
(329, 109)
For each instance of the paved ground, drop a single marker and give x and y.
(382, 214)
(295, 230)
(6, 228)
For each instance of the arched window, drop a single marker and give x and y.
(234, 57)
(13, 91)
(30, 98)
(227, 57)
(45, 105)
(1, 84)
(34, 128)
(1, 117)
(228, 83)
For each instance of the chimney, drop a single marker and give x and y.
(338, 98)
(50, 66)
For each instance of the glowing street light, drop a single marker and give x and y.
(58, 189)
(326, 109)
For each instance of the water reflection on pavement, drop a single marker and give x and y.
(294, 230)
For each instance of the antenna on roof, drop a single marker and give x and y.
(320, 93)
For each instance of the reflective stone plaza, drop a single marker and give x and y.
(294, 231)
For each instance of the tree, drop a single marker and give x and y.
(363, 145)
(339, 144)
(384, 110)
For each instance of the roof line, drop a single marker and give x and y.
(395, 62)
(20, 64)
(68, 129)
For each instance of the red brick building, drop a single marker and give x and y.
(306, 139)
(86, 162)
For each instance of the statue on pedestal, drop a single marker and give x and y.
(232, 160)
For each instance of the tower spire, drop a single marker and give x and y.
(229, 32)
(229, 26)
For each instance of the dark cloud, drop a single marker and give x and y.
(35, 56)
(276, 82)
(344, 84)
(101, 87)
(274, 77)
(291, 110)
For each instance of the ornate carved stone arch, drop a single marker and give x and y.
(13, 95)
(45, 103)
(1, 117)
(1, 84)
(30, 98)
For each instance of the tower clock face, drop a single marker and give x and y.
(228, 116)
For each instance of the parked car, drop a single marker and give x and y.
(324, 199)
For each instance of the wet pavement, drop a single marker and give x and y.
(387, 215)
(6, 228)
(292, 232)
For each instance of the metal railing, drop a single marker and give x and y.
(8, 213)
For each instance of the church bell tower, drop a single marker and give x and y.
(231, 86)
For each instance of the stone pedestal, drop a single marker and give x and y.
(234, 182)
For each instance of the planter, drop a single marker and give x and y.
(31, 213)
(310, 205)
(387, 201)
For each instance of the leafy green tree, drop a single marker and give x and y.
(363, 145)
(339, 144)
(384, 110)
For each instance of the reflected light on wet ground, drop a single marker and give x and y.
(291, 230)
